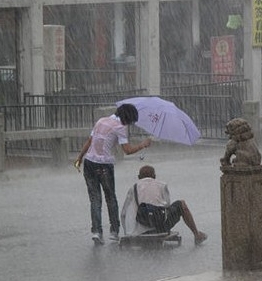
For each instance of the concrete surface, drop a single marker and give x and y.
(45, 222)
(219, 276)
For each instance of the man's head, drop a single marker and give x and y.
(147, 172)
(127, 113)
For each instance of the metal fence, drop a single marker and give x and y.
(66, 105)
(211, 106)
(75, 110)
(101, 81)
(61, 110)
(187, 78)
(89, 80)
(8, 85)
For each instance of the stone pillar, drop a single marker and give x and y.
(2, 143)
(31, 46)
(195, 23)
(241, 217)
(54, 57)
(119, 30)
(147, 46)
(25, 51)
(252, 57)
(32, 58)
(251, 113)
(37, 48)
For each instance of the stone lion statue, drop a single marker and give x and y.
(241, 144)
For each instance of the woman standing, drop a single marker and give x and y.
(99, 161)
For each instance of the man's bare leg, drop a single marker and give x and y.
(189, 221)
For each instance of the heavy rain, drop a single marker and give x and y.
(66, 63)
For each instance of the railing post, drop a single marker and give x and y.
(60, 151)
(2, 143)
(251, 113)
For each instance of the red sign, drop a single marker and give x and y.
(223, 57)
(59, 48)
(101, 41)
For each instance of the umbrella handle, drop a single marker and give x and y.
(144, 150)
(142, 154)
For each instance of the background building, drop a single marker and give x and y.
(89, 33)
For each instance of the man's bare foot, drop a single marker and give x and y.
(201, 237)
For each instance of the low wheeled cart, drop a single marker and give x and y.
(155, 239)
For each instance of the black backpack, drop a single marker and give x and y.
(150, 215)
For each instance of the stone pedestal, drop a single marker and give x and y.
(241, 215)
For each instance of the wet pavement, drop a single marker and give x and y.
(45, 222)
(219, 276)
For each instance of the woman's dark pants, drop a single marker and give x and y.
(96, 176)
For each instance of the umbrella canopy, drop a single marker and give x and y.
(163, 120)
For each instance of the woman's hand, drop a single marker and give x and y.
(77, 164)
(130, 149)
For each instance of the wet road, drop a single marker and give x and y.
(45, 227)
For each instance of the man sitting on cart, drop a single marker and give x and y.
(152, 191)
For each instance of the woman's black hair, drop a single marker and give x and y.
(127, 113)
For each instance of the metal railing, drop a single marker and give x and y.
(8, 85)
(89, 80)
(59, 111)
(187, 78)
(101, 80)
(210, 105)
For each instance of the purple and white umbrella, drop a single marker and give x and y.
(163, 120)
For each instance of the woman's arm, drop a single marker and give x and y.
(130, 149)
(83, 151)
